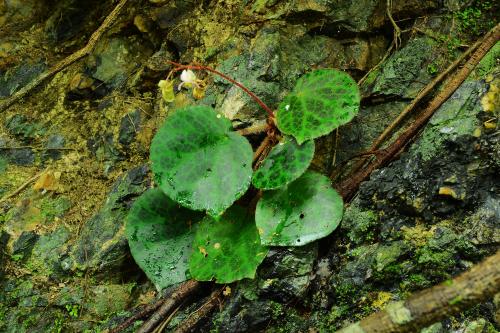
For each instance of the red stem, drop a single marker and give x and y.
(179, 67)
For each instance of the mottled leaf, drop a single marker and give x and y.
(321, 101)
(285, 163)
(160, 235)
(227, 249)
(199, 161)
(299, 213)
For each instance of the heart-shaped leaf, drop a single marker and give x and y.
(227, 249)
(299, 213)
(286, 162)
(160, 235)
(321, 101)
(199, 161)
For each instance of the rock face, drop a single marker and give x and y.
(65, 265)
(101, 245)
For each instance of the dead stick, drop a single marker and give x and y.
(108, 21)
(435, 303)
(350, 186)
(189, 324)
(415, 102)
(22, 187)
(185, 290)
(141, 314)
(160, 328)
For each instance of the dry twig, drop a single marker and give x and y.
(86, 50)
(189, 324)
(350, 186)
(22, 187)
(415, 102)
(148, 309)
(436, 303)
(185, 290)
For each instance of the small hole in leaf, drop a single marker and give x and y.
(298, 240)
(209, 170)
(301, 215)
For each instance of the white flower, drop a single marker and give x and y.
(188, 79)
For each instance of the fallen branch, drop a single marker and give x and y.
(189, 324)
(22, 187)
(108, 21)
(185, 290)
(435, 303)
(148, 309)
(415, 102)
(167, 320)
(349, 187)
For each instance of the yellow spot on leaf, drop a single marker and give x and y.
(203, 251)
(217, 246)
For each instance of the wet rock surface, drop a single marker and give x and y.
(102, 245)
(65, 265)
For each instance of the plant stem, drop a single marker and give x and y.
(179, 67)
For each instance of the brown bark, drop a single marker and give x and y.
(185, 290)
(189, 324)
(436, 303)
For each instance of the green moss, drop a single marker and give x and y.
(3, 312)
(57, 326)
(475, 19)
(3, 164)
(54, 207)
(109, 299)
(346, 291)
(360, 224)
(276, 310)
(488, 63)
(415, 282)
(434, 261)
(388, 255)
(432, 69)
(29, 322)
(286, 319)
(456, 300)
